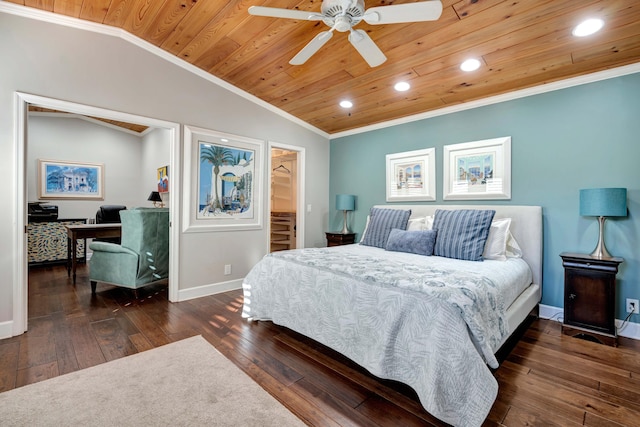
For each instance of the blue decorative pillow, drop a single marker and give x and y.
(381, 222)
(419, 242)
(462, 233)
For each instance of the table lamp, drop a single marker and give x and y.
(344, 203)
(603, 202)
(156, 199)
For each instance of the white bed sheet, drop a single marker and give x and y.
(511, 277)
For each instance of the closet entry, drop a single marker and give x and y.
(284, 171)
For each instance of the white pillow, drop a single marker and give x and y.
(365, 229)
(513, 249)
(421, 223)
(416, 224)
(428, 222)
(496, 244)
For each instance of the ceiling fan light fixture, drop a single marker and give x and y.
(342, 15)
(588, 27)
(402, 86)
(345, 103)
(470, 65)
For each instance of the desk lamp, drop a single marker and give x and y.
(156, 199)
(603, 202)
(344, 203)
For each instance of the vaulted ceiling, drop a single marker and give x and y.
(134, 128)
(520, 44)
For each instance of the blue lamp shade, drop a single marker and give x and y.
(345, 202)
(603, 202)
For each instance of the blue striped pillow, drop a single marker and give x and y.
(462, 233)
(381, 222)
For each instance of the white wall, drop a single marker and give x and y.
(78, 140)
(100, 70)
(155, 154)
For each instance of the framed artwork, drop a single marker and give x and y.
(411, 176)
(163, 179)
(479, 170)
(224, 174)
(58, 179)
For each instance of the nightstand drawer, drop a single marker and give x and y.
(338, 239)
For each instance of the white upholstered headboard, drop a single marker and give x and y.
(526, 227)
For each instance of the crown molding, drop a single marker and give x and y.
(68, 21)
(55, 18)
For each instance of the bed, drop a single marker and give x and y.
(431, 322)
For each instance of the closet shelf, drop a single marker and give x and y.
(283, 231)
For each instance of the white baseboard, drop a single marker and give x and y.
(6, 329)
(211, 289)
(551, 312)
(631, 330)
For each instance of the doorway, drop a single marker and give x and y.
(21, 276)
(285, 202)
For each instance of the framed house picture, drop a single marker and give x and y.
(223, 185)
(478, 170)
(411, 176)
(59, 179)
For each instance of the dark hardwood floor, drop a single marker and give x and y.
(547, 379)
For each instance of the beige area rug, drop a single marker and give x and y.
(186, 383)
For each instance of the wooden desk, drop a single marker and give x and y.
(86, 231)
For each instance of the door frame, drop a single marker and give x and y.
(300, 191)
(20, 265)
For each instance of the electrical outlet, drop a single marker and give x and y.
(632, 306)
(227, 269)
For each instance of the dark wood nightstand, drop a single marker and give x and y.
(590, 297)
(338, 239)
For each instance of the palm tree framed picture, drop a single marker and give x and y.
(223, 175)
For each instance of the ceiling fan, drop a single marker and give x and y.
(343, 15)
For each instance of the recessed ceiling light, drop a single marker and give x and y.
(588, 27)
(470, 65)
(402, 86)
(224, 140)
(346, 104)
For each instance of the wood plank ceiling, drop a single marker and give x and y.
(136, 128)
(520, 43)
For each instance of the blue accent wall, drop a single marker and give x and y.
(586, 136)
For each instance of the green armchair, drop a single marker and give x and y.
(141, 258)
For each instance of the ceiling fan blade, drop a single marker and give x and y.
(312, 47)
(408, 12)
(275, 12)
(367, 47)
